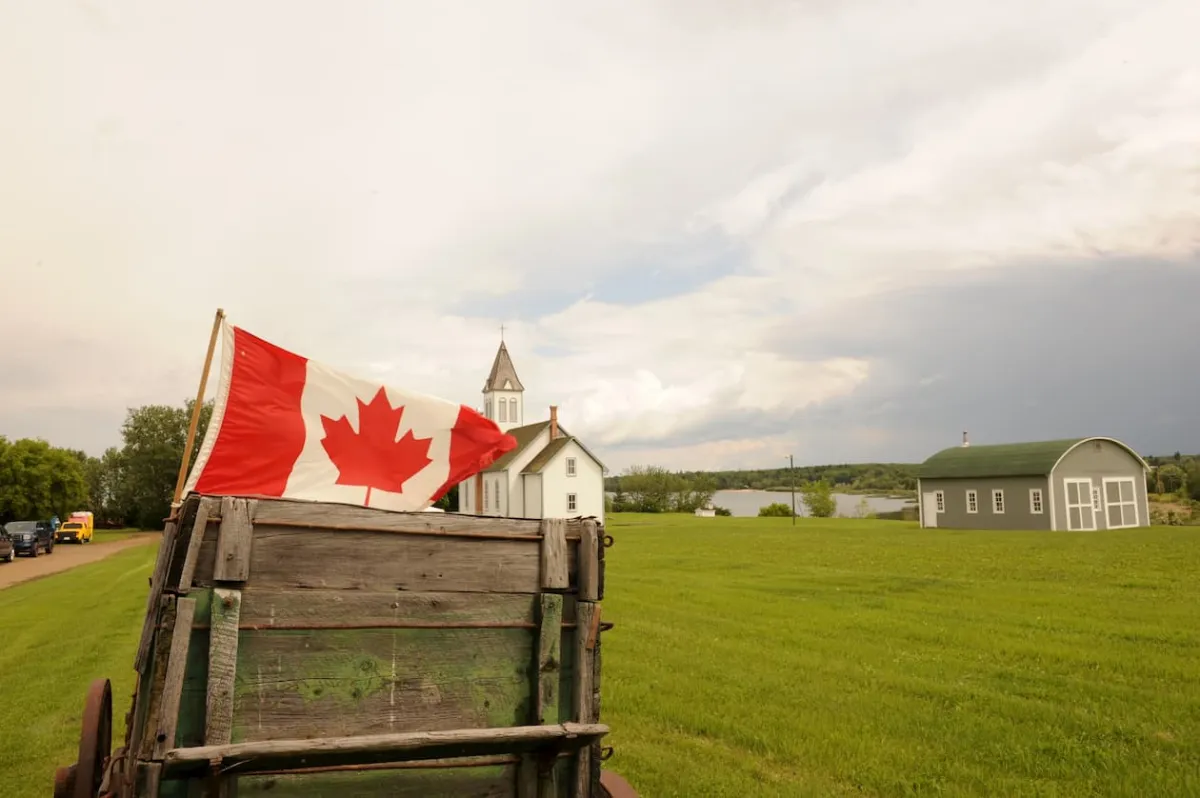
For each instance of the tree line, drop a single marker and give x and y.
(130, 485)
(890, 478)
(653, 489)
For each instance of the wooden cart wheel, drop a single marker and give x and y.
(613, 786)
(83, 779)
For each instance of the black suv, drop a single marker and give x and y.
(30, 536)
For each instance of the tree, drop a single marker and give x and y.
(818, 498)
(1171, 478)
(449, 502)
(693, 494)
(154, 438)
(649, 489)
(1192, 480)
(38, 480)
(863, 509)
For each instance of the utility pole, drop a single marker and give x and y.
(792, 469)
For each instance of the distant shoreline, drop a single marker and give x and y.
(874, 494)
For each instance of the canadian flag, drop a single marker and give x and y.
(285, 426)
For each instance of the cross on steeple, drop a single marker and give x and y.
(501, 333)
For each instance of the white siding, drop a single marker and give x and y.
(587, 485)
(514, 477)
(532, 485)
(465, 503)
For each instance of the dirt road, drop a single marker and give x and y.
(66, 556)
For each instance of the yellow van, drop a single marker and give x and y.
(78, 528)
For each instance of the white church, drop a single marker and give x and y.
(550, 474)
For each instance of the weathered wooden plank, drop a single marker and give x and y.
(549, 659)
(195, 540)
(586, 612)
(527, 777)
(234, 542)
(548, 781)
(589, 562)
(554, 567)
(172, 689)
(143, 733)
(265, 608)
(256, 757)
(157, 580)
(193, 703)
(494, 781)
(371, 681)
(283, 512)
(151, 778)
(222, 665)
(378, 561)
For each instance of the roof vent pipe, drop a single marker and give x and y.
(966, 442)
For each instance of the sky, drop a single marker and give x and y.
(717, 234)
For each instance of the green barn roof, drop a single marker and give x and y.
(1034, 459)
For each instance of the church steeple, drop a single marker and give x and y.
(503, 394)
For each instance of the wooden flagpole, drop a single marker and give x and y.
(191, 436)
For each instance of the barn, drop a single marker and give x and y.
(1073, 484)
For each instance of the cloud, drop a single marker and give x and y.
(710, 229)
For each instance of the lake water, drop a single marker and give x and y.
(746, 502)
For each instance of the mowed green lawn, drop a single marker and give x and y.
(751, 658)
(844, 657)
(58, 633)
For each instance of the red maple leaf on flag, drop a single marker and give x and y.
(372, 457)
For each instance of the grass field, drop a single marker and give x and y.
(58, 634)
(751, 658)
(109, 535)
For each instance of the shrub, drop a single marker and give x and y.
(775, 510)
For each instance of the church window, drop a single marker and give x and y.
(512, 410)
(570, 502)
(570, 466)
(503, 410)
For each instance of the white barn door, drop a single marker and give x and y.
(1081, 516)
(929, 512)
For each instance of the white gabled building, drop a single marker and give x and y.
(550, 474)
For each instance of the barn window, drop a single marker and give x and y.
(1035, 501)
(570, 466)
(570, 502)
(998, 502)
(940, 498)
(972, 501)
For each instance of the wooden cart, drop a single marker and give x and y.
(314, 649)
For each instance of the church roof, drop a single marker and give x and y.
(503, 372)
(525, 436)
(544, 457)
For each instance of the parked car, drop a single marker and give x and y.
(73, 532)
(31, 536)
(7, 552)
